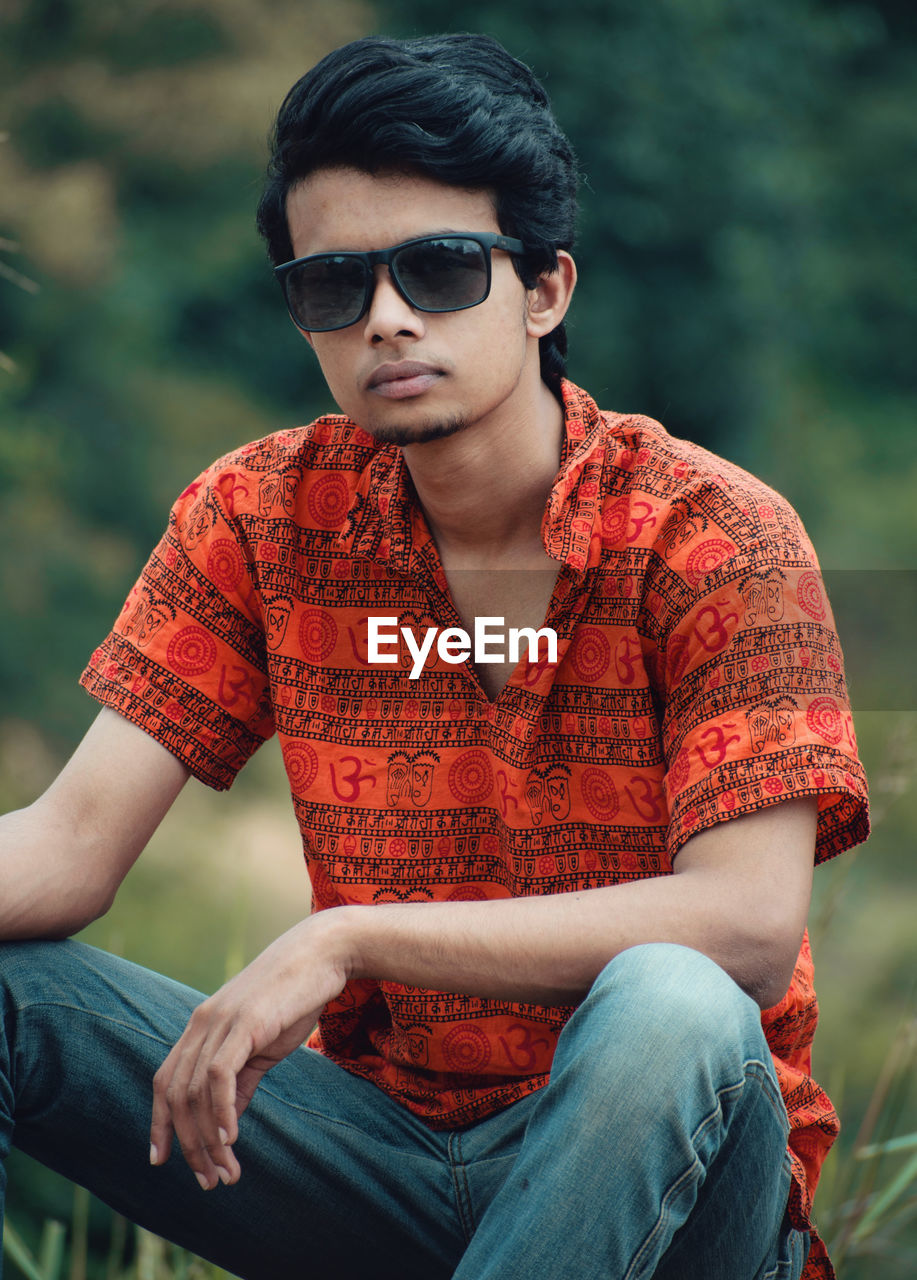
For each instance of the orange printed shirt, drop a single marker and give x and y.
(697, 677)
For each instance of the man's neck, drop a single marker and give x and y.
(484, 489)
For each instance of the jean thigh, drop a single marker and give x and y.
(337, 1179)
(791, 1254)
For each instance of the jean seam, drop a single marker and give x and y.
(763, 1075)
(460, 1186)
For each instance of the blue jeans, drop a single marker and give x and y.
(657, 1149)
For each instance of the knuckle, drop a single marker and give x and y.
(216, 1072)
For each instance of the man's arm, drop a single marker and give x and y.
(740, 894)
(63, 858)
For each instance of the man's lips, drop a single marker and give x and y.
(404, 379)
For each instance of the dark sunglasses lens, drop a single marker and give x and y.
(444, 274)
(326, 293)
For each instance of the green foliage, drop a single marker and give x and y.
(747, 241)
(157, 341)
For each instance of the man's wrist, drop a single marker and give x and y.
(336, 931)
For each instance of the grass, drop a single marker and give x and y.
(153, 1258)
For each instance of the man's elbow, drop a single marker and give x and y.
(765, 969)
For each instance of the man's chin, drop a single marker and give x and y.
(415, 432)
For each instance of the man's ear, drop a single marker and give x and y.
(546, 304)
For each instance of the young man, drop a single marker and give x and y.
(553, 890)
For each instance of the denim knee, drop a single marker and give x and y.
(666, 994)
(32, 970)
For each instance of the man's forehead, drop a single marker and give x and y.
(345, 208)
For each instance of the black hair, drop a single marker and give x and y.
(456, 108)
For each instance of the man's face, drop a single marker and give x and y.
(462, 367)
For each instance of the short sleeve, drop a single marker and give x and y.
(756, 709)
(186, 658)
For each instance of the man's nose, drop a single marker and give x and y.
(390, 315)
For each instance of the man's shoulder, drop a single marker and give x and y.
(310, 467)
(679, 481)
(332, 440)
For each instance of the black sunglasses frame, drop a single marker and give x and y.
(487, 240)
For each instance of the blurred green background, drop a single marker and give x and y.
(748, 274)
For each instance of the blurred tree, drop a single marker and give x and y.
(749, 232)
(158, 341)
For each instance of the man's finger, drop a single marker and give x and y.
(161, 1131)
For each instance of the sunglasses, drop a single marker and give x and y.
(433, 273)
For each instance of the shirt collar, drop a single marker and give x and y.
(385, 522)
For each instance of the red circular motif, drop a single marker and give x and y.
(466, 1048)
(590, 654)
(678, 774)
(690, 818)
(328, 501)
(301, 764)
(809, 595)
(824, 718)
(410, 709)
(318, 634)
(599, 794)
(759, 662)
(224, 564)
(267, 551)
(398, 847)
(546, 865)
(773, 785)
(614, 522)
(467, 893)
(706, 557)
(471, 778)
(191, 652)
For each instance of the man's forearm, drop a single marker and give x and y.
(547, 950)
(740, 897)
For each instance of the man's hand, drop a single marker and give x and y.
(233, 1038)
